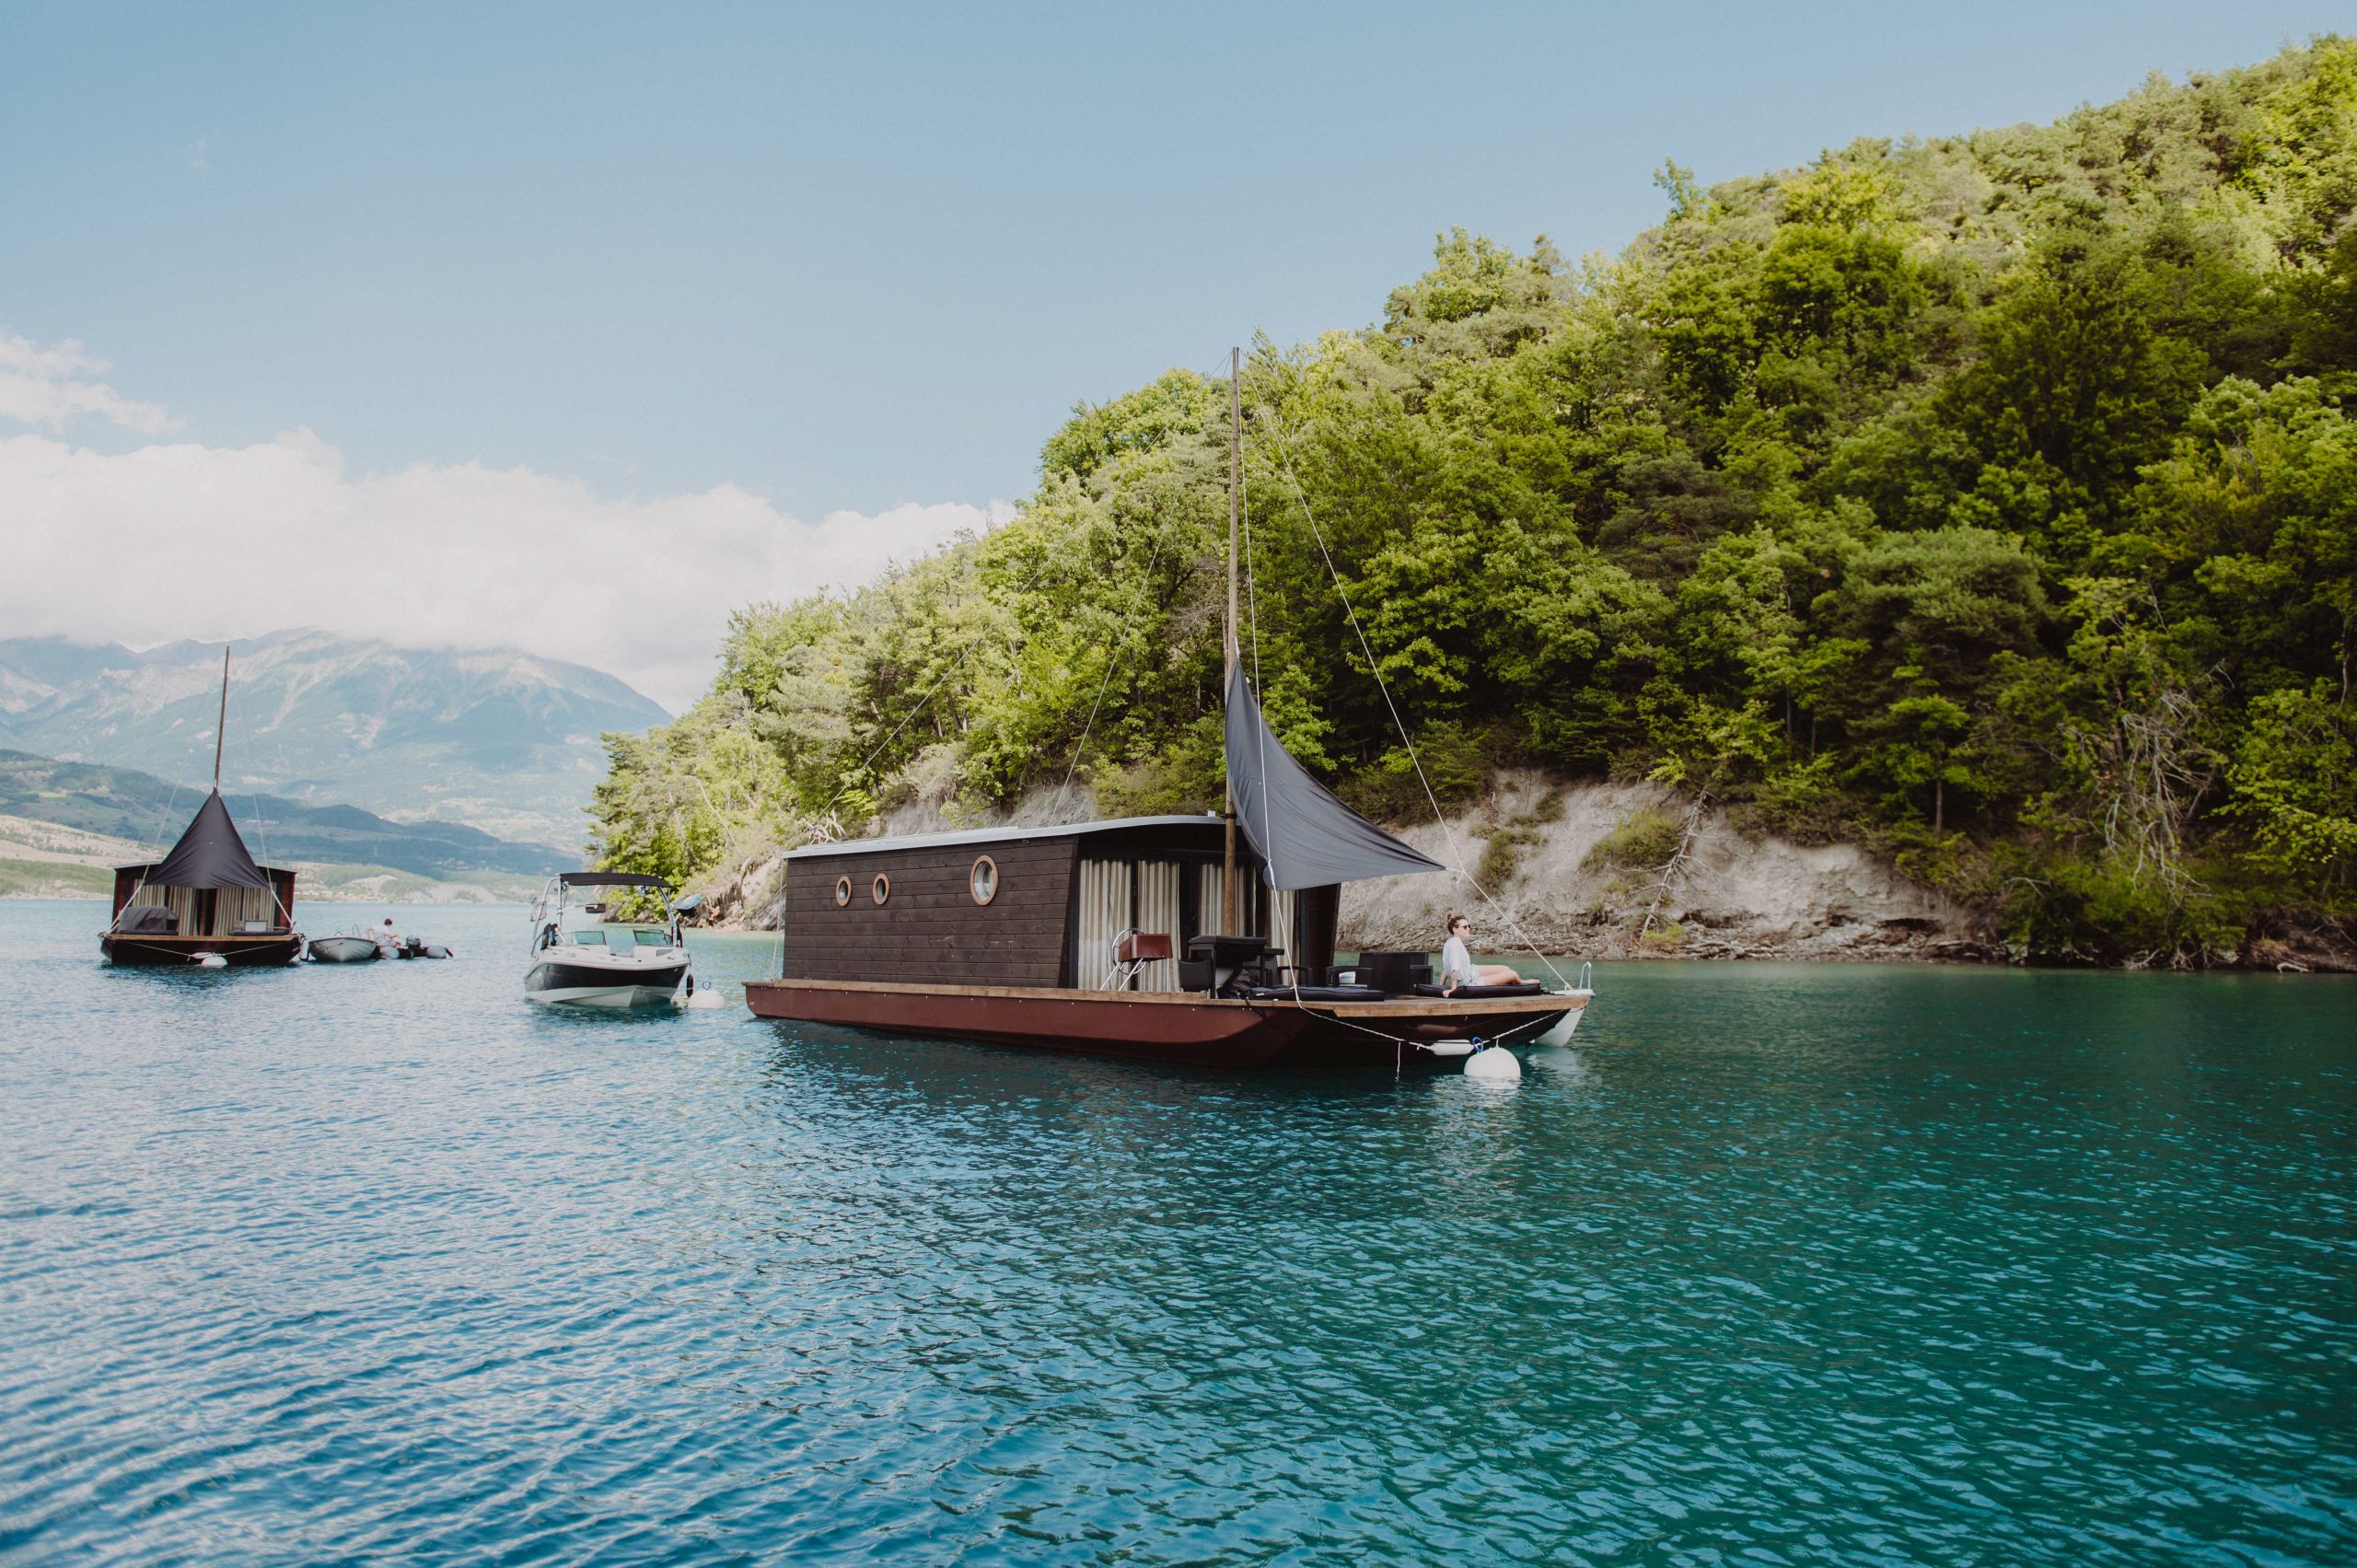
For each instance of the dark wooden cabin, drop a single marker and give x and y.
(209, 911)
(207, 898)
(1034, 906)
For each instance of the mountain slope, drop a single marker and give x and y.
(141, 810)
(494, 738)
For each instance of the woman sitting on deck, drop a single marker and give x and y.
(1456, 965)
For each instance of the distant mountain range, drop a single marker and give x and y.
(147, 813)
(497, 740)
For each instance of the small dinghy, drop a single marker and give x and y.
(343, 949)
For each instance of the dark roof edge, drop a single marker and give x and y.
(995, 835)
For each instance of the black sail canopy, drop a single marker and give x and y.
(210, 855)
(1304, 836)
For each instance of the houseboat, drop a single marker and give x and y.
(1198, 941)
(206, 903)
(207, 898)
(1108, 938)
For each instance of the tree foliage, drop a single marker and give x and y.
(1990, 499)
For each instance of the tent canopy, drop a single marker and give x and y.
(210, 855)
(1307, 838)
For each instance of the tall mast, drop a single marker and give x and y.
(1228, 891)
(222, 724)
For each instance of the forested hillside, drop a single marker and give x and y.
(1991, 500)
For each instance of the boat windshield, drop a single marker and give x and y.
(621, 938)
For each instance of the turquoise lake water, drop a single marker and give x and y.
(1776, 1265)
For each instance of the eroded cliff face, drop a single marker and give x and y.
(1620, 871)
(744, 896)
(1591, 877)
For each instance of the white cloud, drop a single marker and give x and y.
(185, 540)
(46, 387)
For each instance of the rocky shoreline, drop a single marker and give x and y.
(1632, 871)
(1604, 871)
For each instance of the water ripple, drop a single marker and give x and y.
(1780, 1265)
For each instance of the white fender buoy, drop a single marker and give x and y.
(209, 962)
(706, 999)
(1495, 1063)
(1450, 1047)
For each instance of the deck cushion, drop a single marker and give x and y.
(1484, 992)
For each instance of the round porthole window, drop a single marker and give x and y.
(984, 879)
(843, 891)
(881, 889)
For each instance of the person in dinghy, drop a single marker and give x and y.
(1456, 965)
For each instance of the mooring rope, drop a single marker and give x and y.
(1284, 456)
(1111, 664)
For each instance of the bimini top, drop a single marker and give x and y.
(610, 879)
(210, 855)
(997, 835)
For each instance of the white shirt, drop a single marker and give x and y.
(1457, 964)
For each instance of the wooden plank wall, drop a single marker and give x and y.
(931, 931)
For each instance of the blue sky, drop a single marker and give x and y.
(850, 256)
(850, 259)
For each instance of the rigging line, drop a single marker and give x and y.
(1110, 665)
(1251, 582)
(261, 830)
(1403, 1040)
(172, 808)
(1284, 456)
(1252, 606)
(262, 836)
(955, 664)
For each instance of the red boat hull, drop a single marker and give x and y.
(1177, 1029)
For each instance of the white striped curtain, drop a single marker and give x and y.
(1158, 884)
(232, 908)
(239, 905)
(1210, 915)
(181, 902)
(1280, 924)
(1256, 902)
(1104, 913)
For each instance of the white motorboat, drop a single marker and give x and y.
(582, 957)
